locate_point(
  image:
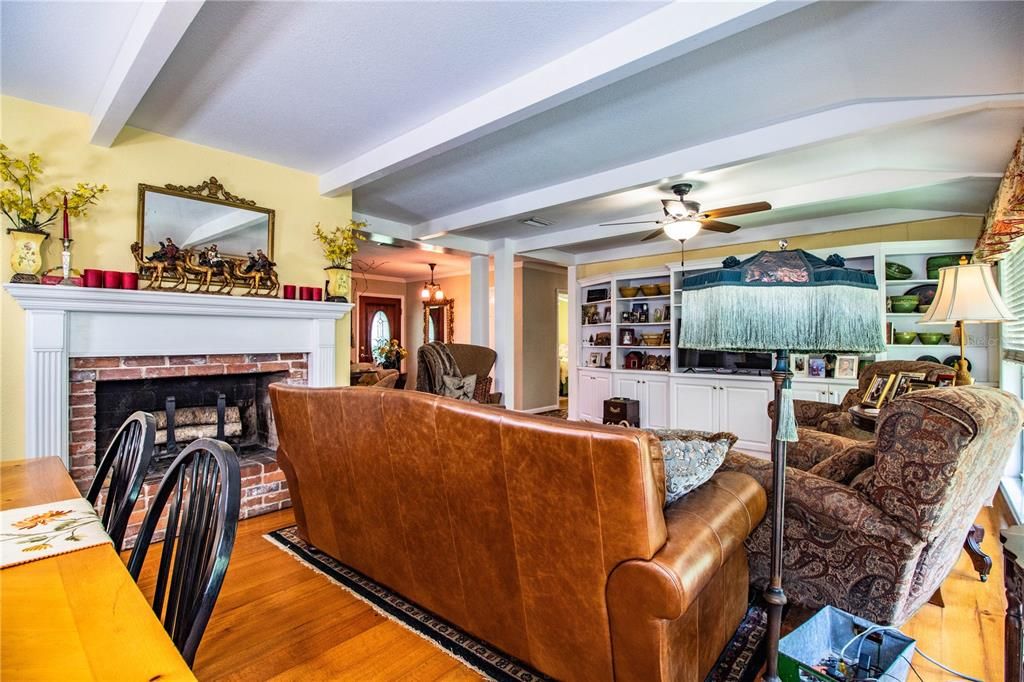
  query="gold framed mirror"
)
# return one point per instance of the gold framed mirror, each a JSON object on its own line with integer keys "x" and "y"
{"x": 439, "y": 321}
{"x": 197, "y": 217}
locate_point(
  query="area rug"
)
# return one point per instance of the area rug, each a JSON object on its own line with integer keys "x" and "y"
{"x": 558, "y": 414}
{"x": 739, "y": 662}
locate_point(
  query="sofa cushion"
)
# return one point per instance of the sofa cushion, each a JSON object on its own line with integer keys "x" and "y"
{"x": 847, "y": 464}
{"x": 691, "y": 458}
{"x": 460, "y": 388}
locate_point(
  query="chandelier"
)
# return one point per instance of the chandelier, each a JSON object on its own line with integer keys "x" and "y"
{"x": 432, "y": 291}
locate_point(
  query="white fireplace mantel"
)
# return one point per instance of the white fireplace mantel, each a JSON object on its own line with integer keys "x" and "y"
{"x": 66, "y": 322}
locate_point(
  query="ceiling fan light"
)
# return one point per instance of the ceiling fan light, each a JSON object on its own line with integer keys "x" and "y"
{"x": 682, "y": 229}
{"x": 674, "y": 208}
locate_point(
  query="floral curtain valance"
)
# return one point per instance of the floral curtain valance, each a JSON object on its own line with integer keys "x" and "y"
{"x": 1004, "y": 222}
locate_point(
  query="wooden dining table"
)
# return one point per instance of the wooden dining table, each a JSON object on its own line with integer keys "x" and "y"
{"x": 75, "y": 616}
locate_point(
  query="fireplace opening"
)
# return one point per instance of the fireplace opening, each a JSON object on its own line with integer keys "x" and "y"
{"x": 238, "y": 405}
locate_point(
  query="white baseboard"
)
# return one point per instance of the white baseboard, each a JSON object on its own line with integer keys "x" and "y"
{"x": 535, "y": 410}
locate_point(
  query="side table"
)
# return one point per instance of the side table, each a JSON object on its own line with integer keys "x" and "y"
{"x": 1013, "y": 579}
{"x": 866, "y": 419}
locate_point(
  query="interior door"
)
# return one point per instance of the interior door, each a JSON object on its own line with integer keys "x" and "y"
{"x": 378, "y": 318}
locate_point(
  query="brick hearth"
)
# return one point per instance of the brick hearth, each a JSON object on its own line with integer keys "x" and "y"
{"x": 264, "y": 488}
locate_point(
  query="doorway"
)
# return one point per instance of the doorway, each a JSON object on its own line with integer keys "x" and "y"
{"x": 379, "y": 319}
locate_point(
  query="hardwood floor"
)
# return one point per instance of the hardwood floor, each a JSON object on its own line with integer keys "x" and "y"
{"x": 276, "y": 619}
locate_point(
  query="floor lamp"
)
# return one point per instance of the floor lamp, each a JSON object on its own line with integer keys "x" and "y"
{"x": 781, "y": 301}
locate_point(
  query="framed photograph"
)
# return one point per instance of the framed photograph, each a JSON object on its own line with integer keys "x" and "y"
{"x": 816, "y": 367}
{"x": 603, "y": 339}
{"x": 902, "y": 383}
{"x": 626, "y": 316}
{"x": 799, "y": 363}
{"x": 607, "y": 314}
{"x": 877, "y": 390}
{"x": 658, "y": 315}
{"x": 626, "y": 337}
{"x": 595, "y": 360}
{"x": 945, "y": 380}
{"x": 846, "y": 366}
{"x": 920, "y": 386}
{"x": 666, "y": 337}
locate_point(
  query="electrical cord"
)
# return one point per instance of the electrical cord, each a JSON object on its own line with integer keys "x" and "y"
{"x": 881, "y": 628}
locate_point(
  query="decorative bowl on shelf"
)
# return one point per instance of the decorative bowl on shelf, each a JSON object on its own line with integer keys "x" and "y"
{"x": 665, "y": 289}
{"x": 931, "y": 338}
{"x": 628, "y": 292}
{"x": 904, "y": 306}
{"x": 897, "y": 271}
{"x": 651, "y": 339}
{"x": 904, "y": 337}
{"x": 923, "y": 308}
{"x": 936, "y": 262}
{"x": 929, "y": 358}
{"x": 650, "y": 289}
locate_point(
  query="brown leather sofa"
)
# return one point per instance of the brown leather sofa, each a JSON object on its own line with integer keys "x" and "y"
{"x": 543, "y": 537}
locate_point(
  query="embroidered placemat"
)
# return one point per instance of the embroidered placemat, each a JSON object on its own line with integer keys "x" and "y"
{"x": 45, "y": 530}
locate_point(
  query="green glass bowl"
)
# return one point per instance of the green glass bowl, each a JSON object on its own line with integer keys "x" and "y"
{"x": 904, "y": 306}
{"x": 897, "y": 271}
{"x": 904, "y": 337}
{"x": 931, "y": 338}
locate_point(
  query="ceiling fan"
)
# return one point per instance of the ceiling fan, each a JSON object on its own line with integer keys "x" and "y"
{"x": 683, "y": 219}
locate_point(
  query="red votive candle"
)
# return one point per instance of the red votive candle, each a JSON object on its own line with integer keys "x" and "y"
{"x": 93, "y": 278}
{"x": 318, "y": 293}
{"x": 111, "y": 279}
{"x": 306, "y": 293}
{"x": 129, "y": 280}
{"x": 289, "y": 291}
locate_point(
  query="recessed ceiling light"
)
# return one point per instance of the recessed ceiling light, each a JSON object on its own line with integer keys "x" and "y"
{"x": 534, "y": 221}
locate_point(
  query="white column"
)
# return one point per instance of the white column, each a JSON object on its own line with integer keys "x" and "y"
{"x": 574, "y": 344}
{"x": 479, "y": 303}
{"x": 46, "y": 384}
{"x": 504, "y": 321}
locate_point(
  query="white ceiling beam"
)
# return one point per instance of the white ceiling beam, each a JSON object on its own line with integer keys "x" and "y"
{"x": 787, "y": 230}
{"x": 156, "y": 31}
{"x": 861, "y": 184}
{"x": 842, "y": 121}
{"x": 662, "y": 35}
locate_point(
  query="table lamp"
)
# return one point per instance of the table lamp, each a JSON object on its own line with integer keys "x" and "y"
{"x": 966, "y": 293}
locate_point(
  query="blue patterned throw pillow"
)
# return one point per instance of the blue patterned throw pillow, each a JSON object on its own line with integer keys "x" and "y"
{"x": 691, "y": 458}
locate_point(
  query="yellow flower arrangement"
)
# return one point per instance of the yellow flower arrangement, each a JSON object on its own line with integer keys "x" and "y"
{"x": 342, "y": 243}
{"x": 24, "y": 209}
{"x": 389, "y": 353}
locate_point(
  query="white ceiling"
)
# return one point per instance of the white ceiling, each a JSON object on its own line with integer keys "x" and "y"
{"x": 407, "y": 263}
{"x": 835, "y": 112}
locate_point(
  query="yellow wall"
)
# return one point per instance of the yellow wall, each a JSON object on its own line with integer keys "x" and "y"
{"x": 959, "y": 227}
{"x": 101, "y": 241}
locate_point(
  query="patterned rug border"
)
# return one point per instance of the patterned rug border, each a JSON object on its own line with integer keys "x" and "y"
{"x": 409, "y": 615}
{"x": 479, "y": 656}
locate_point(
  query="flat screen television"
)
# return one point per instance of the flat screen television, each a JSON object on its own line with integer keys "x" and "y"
{"x": 690, "y": 358}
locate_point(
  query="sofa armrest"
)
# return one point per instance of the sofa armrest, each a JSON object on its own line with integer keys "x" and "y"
{"x": 831, "y": 504}
{"x": 671, "y": 615}
{"x": 808, "y": 412}
{"x": 704, "y": 528}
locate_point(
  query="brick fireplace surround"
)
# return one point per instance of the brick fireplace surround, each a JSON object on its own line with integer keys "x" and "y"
{"x": 264, "y": 488}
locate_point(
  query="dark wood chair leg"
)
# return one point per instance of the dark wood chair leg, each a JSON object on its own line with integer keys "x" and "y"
{"x": 972, "y": 543}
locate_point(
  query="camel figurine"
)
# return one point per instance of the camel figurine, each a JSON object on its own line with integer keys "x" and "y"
{"x": 155, "y": 270}
{"x": 257, "y": 277}
{"x": 192, "y": 263}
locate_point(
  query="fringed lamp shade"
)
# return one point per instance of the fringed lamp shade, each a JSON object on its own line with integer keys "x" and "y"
{"x": 789, "y": 300}
{"x": 781, "y": 301}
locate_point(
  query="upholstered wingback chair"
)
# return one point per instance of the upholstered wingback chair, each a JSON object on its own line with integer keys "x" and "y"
{"x": 832, "y": 418}
{"x": 874, "y": 527}
{"x": 434, "y": 360}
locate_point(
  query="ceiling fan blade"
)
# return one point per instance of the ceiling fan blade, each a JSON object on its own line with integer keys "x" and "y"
{"x": 716, "y": 226}
{"x": 636, "y": 222}
{"x": 740, "y": 209}
{"x": 652, "y": 235}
